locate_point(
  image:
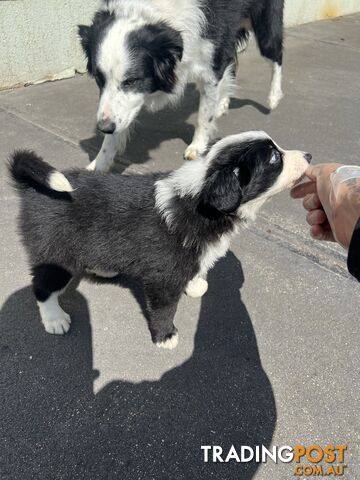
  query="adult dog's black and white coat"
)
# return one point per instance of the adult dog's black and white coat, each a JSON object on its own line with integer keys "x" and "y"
{"x": 166, "y": 229}
{"x": 142, "y": 53}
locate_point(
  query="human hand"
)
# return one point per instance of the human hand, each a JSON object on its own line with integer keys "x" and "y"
{"x": 332, "y": 215}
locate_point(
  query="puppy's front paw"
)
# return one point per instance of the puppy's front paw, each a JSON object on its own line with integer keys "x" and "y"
{"x": 196, "y": 288}
{"x": 169, "y": 341}
{"x": 57, "y": 325}
{"x": 191, "y": 153}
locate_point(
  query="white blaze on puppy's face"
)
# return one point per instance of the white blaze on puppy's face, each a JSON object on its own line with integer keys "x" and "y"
{"x": 295, "y": 165}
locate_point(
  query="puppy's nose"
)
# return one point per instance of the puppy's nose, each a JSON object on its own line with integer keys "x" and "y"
{"x": 308, "y": 157}
{"x": 106, "y": 126}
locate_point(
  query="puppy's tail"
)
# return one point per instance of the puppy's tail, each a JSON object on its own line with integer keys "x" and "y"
{"x": 29, "y": 170}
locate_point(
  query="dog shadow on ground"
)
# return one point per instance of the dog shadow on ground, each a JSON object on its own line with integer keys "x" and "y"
{"x": 55, "y": 427}
{"x": 152, "y": 129}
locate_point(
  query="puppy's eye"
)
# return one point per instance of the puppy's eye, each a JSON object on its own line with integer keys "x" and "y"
{"x": 275, "y": 157}
{"x": 129, "y": 82}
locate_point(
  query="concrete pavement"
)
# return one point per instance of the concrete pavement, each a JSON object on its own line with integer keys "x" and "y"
{"x": 269, "y": 356}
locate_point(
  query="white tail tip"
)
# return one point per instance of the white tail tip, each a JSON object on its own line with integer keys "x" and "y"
{"x": 58, "y": 182}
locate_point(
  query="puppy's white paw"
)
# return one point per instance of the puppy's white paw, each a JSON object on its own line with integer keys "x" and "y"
{"x": 169, "y": 343}
{"x": 223, "y": 107}
{"x": 191, "y": 153}
{"x": 197, "y": 287}
{"x": 274, "y": 98}
{"x": 57, "y": 325}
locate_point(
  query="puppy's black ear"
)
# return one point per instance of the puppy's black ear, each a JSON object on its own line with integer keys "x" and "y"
{"x": 222, "y": 191}
{"x": 167, "y": 50}
{"x": 84, "y": 33}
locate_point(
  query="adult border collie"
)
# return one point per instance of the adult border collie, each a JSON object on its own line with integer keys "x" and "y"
{"x": 166, "y": 229}
{"x": 142, "y": 53}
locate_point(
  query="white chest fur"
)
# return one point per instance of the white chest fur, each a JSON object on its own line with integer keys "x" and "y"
{"x": 213, "y": 252}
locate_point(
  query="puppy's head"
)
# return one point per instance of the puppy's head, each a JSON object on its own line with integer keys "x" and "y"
{"x": 129, "y": 59}
{"x": 245, "y": 170}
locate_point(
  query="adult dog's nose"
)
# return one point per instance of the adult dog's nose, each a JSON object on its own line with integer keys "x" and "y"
{"x": 308, "y": 157}
{"x": 106, "y": 126}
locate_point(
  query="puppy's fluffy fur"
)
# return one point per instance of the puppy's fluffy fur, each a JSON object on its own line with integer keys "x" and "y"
{"x": 143, "y": 53}
{"x": 166, "y": 229}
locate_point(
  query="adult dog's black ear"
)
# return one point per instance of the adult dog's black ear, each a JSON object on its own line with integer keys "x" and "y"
{"x": 167, "y": 50}
{"x": 222, "y": 192}
{"x": 84, "y": 33}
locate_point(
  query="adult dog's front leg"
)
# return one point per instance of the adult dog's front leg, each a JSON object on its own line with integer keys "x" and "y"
{"x": 112, "y": 144}
{"x": 206, "y": 126}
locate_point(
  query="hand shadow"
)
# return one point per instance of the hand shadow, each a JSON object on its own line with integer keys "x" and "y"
{"x": 55, "y": 428}
{"x": 152, "y": 129}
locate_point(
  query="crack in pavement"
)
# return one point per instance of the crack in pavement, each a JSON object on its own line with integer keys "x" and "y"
{"x": 313, "y": 251}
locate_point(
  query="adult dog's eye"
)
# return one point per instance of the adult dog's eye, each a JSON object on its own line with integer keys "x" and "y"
{"x": 129, "y": 82}
{"x": 275, "y": 157}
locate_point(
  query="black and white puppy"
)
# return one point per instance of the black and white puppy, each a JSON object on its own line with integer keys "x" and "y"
{"x": 166, "y": 229}
{"x": 143, "y": 53}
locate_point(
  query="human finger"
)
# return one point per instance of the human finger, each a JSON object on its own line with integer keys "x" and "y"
{"x": 312, "y": 202}
{"x": 300, "y": 191}
{"x": 322, "y": 232}
{"x": 316, "y": 217}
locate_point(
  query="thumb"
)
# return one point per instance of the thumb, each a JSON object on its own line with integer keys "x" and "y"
{"x": 311, "y": 172}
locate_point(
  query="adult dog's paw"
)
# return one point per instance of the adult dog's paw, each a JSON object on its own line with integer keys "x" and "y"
{"x": 92, "y": 166}
{"x": 275, "y": 97}
{"x": 223, "y": 107}
{"x": 191, "y": 153}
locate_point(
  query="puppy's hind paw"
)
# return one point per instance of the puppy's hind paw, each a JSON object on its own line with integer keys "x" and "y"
{"x": 170, "y": 342}
{"x": 57, "y": 325}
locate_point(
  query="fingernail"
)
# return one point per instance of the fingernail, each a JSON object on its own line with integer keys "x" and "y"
{"x": 318, "y": 236}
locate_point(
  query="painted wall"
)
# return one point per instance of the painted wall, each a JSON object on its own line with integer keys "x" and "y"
{"x": 304, "y": 11}
{"x": 38, "y": 39}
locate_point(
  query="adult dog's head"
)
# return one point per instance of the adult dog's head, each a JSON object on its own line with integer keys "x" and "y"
{"x": 129, "y": 58}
